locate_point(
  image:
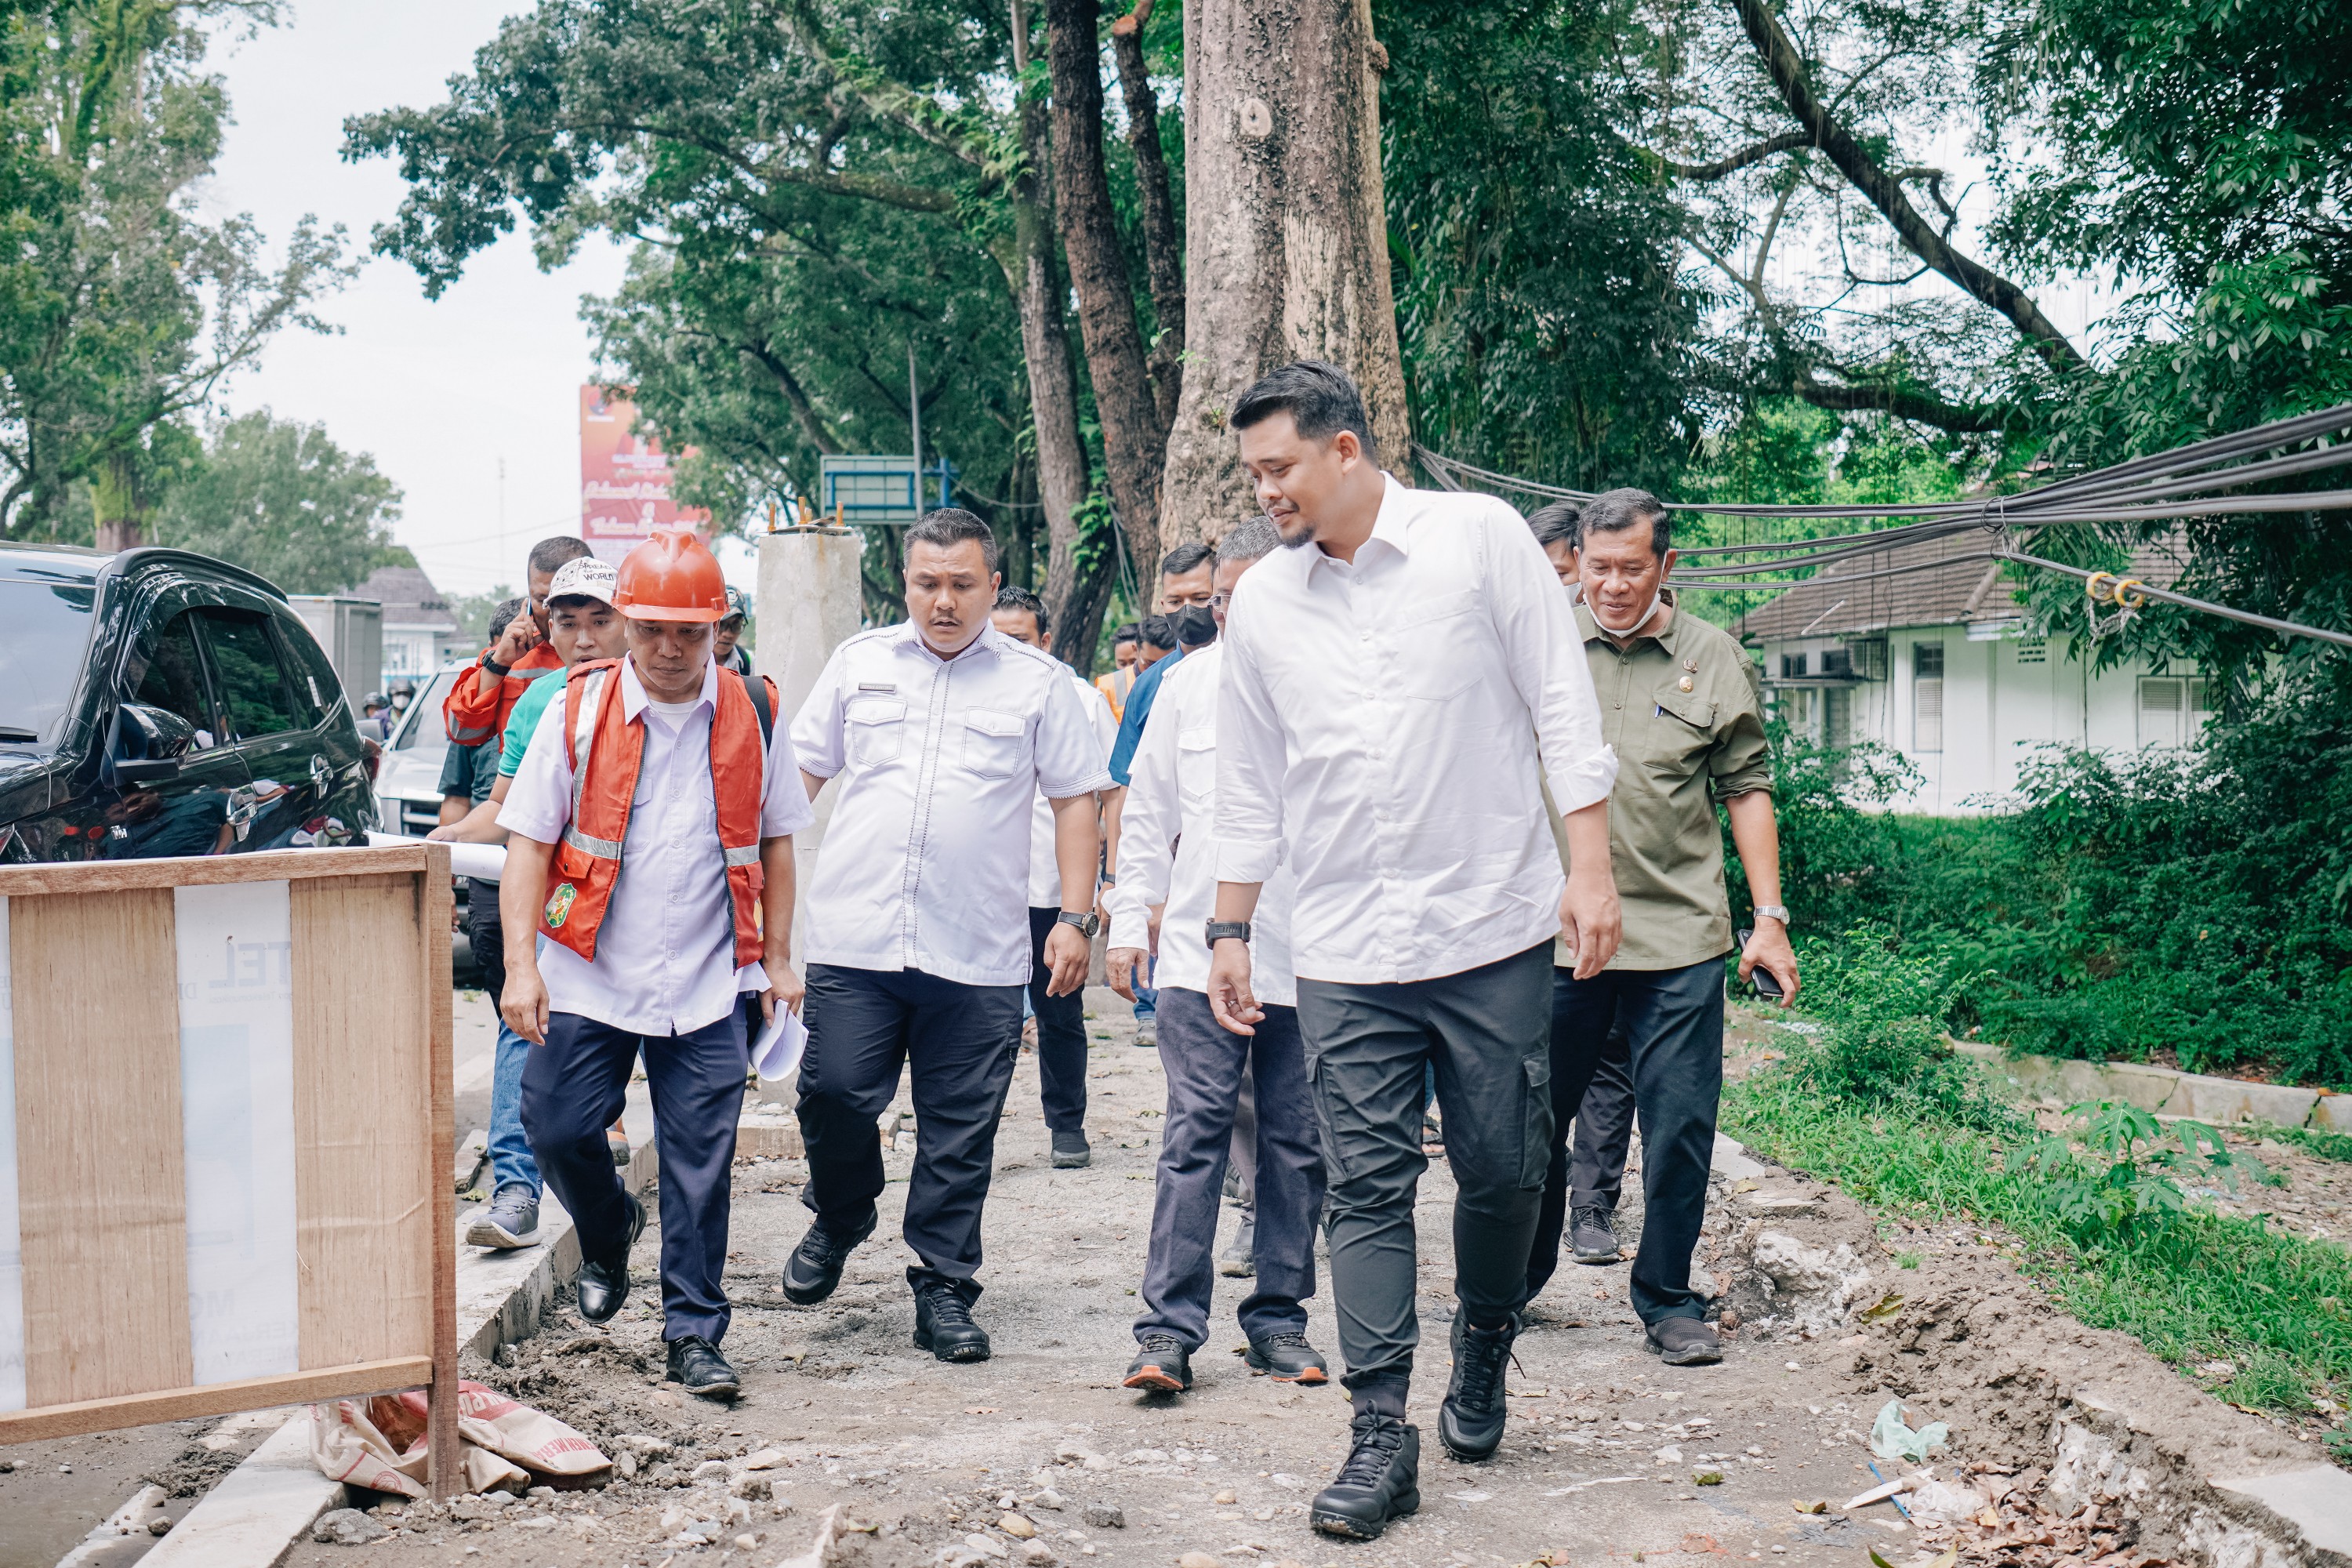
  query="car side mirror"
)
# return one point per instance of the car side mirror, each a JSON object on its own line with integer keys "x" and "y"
{"x": 149, "y": 744}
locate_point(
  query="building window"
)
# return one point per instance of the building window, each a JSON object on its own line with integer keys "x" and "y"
{"x": 1792, "y": 667}
{"x": 1867, "y": 657}
{"x": 1928, "y": 697}
{"x": 2172, "y": 709}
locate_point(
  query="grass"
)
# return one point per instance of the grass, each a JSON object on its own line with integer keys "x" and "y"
{"x": 2197, "y": 1288}
{"x": 2314, "y": 1141}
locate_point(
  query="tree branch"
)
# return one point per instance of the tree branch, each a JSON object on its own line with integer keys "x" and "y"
{"x": 1732, "y": 163}
{"x": 1790, "y": 77}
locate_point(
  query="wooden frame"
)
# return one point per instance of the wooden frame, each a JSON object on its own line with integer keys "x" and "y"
{"x": 114, "y": 1051}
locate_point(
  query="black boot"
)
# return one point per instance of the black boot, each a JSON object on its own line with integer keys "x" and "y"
{"x": 1470, "y": 1421}
{"x": 696, "y": 1366}
{"x": 1161, "y": 1365}
{"x": 1380, "y": 1481}
{"x": 815, "y": 1267}
{"x": 943, "y": 1325}
{"x": 601, "y": 1288}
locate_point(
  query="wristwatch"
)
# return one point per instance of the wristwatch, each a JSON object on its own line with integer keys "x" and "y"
{"x": 1087, "y": 923}
{"x": 1217, "y": 931}
{"x": 1772, "y": 912}
{"x": 495, "y": 668}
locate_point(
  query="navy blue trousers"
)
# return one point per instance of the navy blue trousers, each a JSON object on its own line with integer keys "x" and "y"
{"x": 959, "y": 1042}
{"x": 572, "y": 1089}
{"x": 1204, "y": 1063}
{"x": 1061, "y": 1035}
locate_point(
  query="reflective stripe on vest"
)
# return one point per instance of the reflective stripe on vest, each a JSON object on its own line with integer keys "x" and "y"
{"x": 606, "y": 754}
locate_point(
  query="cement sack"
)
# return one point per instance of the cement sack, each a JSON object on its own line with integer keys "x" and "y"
{"x": 380, "y": 1443}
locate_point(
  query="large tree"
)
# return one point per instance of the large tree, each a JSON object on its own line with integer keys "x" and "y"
{"x": 279, "y": 497}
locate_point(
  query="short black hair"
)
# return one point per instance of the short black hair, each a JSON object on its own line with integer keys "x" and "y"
{"x": 1195, "y": 627}
{"x": 1320, "y": 398}
{"x": 1185, "y": 558}
{"x": 1131, "y": 632}
{"x": 503, "y": 616}
{"x": 1159, "y": 631}
{"x": 1555, "y": 524}
{"x": 550, "y": 554}
{"x": 1616, "y": 511}
{"x": 1012, "y": 598}
{"x": 949, "y": 526}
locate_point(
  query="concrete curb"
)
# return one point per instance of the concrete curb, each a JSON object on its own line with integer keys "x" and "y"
{"x": 2166, "y": 1090}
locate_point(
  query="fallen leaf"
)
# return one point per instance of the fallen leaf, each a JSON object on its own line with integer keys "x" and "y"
{"x": 1816, "y": 1505}
{"x": 1886, "y": 1306}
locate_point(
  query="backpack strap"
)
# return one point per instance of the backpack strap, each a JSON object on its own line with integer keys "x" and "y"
{"x": 762, "y": 693}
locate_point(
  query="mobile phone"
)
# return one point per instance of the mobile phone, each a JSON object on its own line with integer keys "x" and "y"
{"x": 1766, "y": 986}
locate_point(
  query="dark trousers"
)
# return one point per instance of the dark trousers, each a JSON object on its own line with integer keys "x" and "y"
{"x": 1487, "y": 1033}
{"x": 572, "y": 1090}
{"x": 958, "y": 1042}
{"x": 1672, "y": 1021}
{"x": 1203, "y": 1063}
{"x": 1061, "y": 1035}
{"x": 486, "y": 936}
{"x": 1588, "y": 1169}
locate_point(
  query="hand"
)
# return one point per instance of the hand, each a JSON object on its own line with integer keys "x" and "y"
{"x": 1066, "y": 955}
{"x": 784, "y": 986}
{"x": 523, "y": 1004}
{"x": 1768, "y": 946}
{"x": 1230, "y": 998}
{"x": 520, "y": 636}
{"x": 1130, "y": 968}
{"x": 1592, "y": 922}
{"x": 445, "y": 834}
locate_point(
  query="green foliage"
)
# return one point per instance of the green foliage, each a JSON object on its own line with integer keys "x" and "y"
{"x": 2119, "y": 1178}
{"x": 279, "y": 497}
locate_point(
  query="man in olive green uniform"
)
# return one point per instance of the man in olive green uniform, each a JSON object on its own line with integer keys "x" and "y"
{"x": 1682, "y": 704}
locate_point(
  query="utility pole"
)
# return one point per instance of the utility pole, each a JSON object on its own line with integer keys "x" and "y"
{"x": 915, "y": 419}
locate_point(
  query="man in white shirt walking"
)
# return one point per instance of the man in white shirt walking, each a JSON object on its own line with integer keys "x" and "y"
{"x": 648, "y": 884}
{"x": 1393, "y": 688}
{"x": 941, "y": 730}
{"x": 1171, "y": 847}
{"x": 1061, "y": 1020}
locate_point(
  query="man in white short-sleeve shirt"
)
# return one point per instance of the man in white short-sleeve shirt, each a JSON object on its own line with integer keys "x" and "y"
{"x": 648, "y": 885}
{"x": 941, "y": 730}
{"x": 1395, "y": 687}
{"x": 1061, "y": 1020}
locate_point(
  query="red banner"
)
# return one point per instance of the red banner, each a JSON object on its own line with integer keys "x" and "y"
{"x": 624, "y": 479}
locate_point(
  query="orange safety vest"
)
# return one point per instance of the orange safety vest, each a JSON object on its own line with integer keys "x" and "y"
{"x": 606, "y": 751}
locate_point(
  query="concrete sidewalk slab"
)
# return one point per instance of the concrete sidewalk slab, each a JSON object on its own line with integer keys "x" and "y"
{"x": 258, "y": 1510}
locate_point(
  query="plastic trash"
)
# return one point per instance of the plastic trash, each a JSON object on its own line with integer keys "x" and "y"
{"x": 1890, "y": 1438}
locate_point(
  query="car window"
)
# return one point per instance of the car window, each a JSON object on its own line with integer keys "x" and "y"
{"x": 44, "y": 629}
{"x": 423, "y": 729}
{"x": 175, "y": 680}
{"x": 252, "y": 677}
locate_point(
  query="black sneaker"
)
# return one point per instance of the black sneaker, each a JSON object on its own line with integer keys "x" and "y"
{"x": 1286, "y": 1357}
{"x": 1592, "y": 1235}
{"x": 1684, "y": 1341}
{"x": 599, "y": 1289}
{"x": 696, "y": 1366}
{"x": 815, "y": 1267}
{"x": 1070, "y": 1152}
{"x": 943, "y": 1325}
{"x": 1161, "y": 1365}
{"x": 1470, "y": 1421}
{"x": 1239, "y": 1259}
{"x": 1380, "y": 1481}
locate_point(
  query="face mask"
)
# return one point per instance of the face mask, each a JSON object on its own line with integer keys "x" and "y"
{"x": 1648, "y": 610}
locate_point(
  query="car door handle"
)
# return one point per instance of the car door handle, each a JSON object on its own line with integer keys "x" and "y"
{"x": 322, "y": 774}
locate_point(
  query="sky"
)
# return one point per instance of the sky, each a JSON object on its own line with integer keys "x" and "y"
{"x": 440, "y": 393}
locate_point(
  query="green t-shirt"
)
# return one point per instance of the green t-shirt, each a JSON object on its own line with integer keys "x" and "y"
{"x": 525, "y": 719}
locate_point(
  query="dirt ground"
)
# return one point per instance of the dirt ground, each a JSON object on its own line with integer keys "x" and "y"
{"x": 925, "y": 1463}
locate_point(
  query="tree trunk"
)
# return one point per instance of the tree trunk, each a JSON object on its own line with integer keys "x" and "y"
{"x": 1163, "y": 248}
{"x": 1135, "y": 441}
{"x": 1286, "y": 232}
{"x": 115, "y": 502}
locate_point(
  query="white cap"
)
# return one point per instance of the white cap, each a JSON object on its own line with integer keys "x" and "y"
{"x": 586, "y": 575}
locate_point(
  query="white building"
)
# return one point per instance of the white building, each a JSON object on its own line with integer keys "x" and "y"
{"x": 1939, "y": 663}
{"x": 419, "y": 629}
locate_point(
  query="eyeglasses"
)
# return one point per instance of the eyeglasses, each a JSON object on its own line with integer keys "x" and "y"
{"x": 1219, "y": 601}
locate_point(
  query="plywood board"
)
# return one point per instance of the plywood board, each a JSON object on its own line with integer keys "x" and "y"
{"x": 266, "y": 866}
{"x": 364, "y": 1102}
{"x": 101, "y": 1210}
{"x": 218, "y": 1399}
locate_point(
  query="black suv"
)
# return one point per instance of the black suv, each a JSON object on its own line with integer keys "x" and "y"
{"x": 159, "y": 702}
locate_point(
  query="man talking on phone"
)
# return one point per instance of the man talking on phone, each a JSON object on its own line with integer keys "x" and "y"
{"x": 1680, "y": 703}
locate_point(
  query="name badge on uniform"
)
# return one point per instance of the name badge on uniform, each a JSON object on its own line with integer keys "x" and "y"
{"x": 878, "y": 686}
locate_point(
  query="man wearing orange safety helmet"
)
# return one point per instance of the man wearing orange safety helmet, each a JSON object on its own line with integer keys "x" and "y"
{"x": 648, "y": 885}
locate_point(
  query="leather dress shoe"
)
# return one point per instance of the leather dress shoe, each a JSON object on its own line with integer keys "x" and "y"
{"x": 943, "y": 1325}
{"x": 601, "y": 1288}
{"x": 696, "y": 1366}
{"x": 1380, "y": 1481}
{"x": 815, "y": 1267}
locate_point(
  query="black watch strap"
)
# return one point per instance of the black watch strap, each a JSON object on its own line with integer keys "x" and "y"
{"x": 1217, "y": 931}
{"x": 495, "y": 668}
{"x": 1087, "y": 923}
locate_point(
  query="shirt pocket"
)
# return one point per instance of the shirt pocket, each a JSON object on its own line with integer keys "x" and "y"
{"x": 1432, "y": 655}
{"x": 995, "y": 745}
{"x": 875, "y": 730}
{"x": 1196, "y": 764}
{"x": 1681, "y": 733}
